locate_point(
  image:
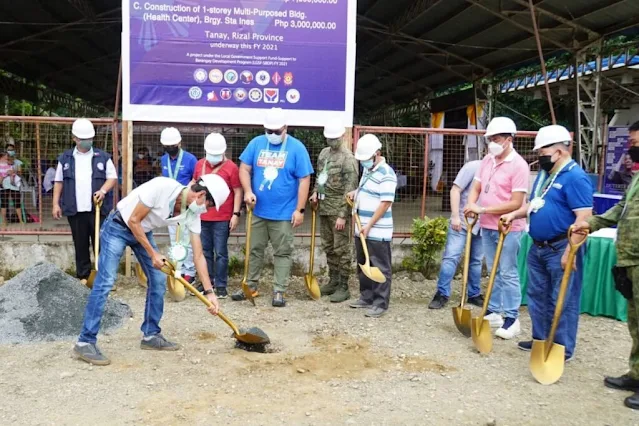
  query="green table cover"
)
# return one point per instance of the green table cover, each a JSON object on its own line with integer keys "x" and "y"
{"x": 598, "y": 295}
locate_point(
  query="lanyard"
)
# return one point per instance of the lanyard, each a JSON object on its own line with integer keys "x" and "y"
{"x": 182, "y": 224}
{"x": 215, "y": 169}
{"x": 282, "y": 145}
{"x": 177, "y": 165}
{"x": 545, "y": 183}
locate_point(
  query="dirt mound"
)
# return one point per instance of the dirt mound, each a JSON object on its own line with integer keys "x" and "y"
{"x": 42, "y": 303}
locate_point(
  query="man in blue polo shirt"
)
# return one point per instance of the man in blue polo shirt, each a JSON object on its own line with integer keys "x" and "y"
{"x": 275, "y": 174}
{"x": 561, "y": 197}
{"x": 178, "y": 165}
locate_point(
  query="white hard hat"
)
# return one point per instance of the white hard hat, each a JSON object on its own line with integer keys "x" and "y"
{"x": 275, "y": 119}
{"x": 367, "y": 146}
{"x": 83, "y": 129}
{"x": 170, "y": 136}
{"x": 334, "y": 129}
{"x": 551, "y": 135}
{"x": 217, "y": 187}
{"x": 501, "y": 126}
{"x": 215, "y": 144}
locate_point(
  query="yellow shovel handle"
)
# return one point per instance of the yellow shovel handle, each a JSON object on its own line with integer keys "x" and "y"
{"x": 96, "y": 239}
{"x": 313, "y": 223}
{"x": 249, "y": 223}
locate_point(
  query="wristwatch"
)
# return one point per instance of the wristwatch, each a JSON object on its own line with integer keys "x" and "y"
{"x": 302, "y": 210}
{"x": 238, "y": 214}
{"x": 103, "y": 191}
{"x": 206, "y": 292}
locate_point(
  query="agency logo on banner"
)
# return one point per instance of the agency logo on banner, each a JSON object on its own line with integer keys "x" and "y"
{"x": 200, "y": 75}
{"x": 293, "y": 96}
{"x": 195, "y": 93}
{"x": 216, "y": 76}
{"x": 262, "y": 78}
{"x": 271, "y": 96}
{"x": 255, "y": 95}
{"x": 225, "y": 94}
{"x": 276, "y": 77}
{"x": 230, "y": 76}
{"x": 240, "y": 95}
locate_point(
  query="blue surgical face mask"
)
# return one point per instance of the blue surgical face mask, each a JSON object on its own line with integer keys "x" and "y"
{"x": 86, "y": 144}
{"x": 11, "y": 153}
{"x": 367, "y": 164}
{"x": 196, "y": 208}
{"x": 274, "y": 139}
{"x": 214, "y": 159}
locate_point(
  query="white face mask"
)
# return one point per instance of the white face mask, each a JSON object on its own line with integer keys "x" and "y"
{"x": 274, "y": 139}
{"x": 495, "y": 149}
{"x": 140, "y": 156}
{"x": 214, "y": 159}
{"x": 196, "y": 208}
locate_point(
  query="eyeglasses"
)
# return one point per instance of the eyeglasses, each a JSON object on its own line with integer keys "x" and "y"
{"x": 274, "y": 132}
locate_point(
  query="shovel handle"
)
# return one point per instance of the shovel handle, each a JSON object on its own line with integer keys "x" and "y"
{"x": 503, "y": 227}
{"x": 96, "y": 239}
{"x": 170, "y": 271}
{"x": 470, "y": 224}
{"x": 249, "y": 223}
{"x": 313, "y": 223}
{"x": 359, "y": 226}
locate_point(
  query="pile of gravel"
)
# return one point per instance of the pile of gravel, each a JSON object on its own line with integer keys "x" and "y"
{"x": 43, "y": 303}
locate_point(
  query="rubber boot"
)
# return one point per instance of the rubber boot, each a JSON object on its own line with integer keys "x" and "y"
{"x": 331, "y": 287}
{"x": 342, "y": 293}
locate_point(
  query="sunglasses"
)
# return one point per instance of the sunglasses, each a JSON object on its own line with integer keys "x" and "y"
{"x": 274, "y": 132}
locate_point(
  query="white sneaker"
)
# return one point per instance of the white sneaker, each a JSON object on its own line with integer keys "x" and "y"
{"x": 496, "y": 321}
{"x": 510, "y": 332}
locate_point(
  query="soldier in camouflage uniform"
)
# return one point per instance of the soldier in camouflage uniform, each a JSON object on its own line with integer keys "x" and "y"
{"x": 626, "y": 216}
{"x": 337, "y": 176}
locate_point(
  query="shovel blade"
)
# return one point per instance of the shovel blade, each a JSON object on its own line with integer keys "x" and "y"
{"x": 312, "y": 287}
{"x": 253, "y": 336}
{"x": 482, "y": 335}
{"x": 547, "y": 370}
{"x": 176, "y": 289}
{"x": 91, "y": 278}
{"x": 248, "y": 292}
{"x": 462, "y": 318}
{"x": 373, "y": 272}
{"x": 139, "y": 273}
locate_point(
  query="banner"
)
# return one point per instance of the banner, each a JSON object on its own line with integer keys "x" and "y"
{"x": 228, "y": 61}
{"x": 474, "y": 146}
{"x": 436, "y": 151}
{"x": 618, "y": 167}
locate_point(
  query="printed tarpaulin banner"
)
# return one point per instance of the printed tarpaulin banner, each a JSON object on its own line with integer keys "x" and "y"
{"x": 228, "y": 61}
{"x": 618, "y": 167}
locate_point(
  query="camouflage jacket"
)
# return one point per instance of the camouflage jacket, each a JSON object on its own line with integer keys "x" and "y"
{"x": 341, "y": 168}
{"x": 627, "y": 224}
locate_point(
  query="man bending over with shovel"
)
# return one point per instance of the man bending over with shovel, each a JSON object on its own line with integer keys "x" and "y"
{"x": 562, "y": 196}
{"x": 159, "y": 203}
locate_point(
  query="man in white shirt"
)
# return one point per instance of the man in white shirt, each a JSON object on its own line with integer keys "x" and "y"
{"x": 84, "y": 174}
{"x": 156, "y": 204}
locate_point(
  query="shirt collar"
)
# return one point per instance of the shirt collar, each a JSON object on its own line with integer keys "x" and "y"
{"x": 382, "y": 160}
{"x": 76, "y": 152}
{"x": 510, "y": 157}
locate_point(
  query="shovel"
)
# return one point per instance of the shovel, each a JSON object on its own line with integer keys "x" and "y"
{"x": 245, "y": 287}
{"x": 372, "y": 272}
{"x": 479, "y": 327}
{"x": 139, "y": 273}
{"x": 254, "y": 338}
{"x": 309, "y": 279}
{"x": 461, "y": 314}
{"x": 547, "y": 357}
{"x": 96, "y": 243}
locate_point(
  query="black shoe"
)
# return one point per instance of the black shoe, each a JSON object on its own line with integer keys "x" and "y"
{"x": 525, "y": 345}
{"x": 278, "y": 299}
{"x": 439, "y": 301}
{"x": 632, "y": 401}
{"x": 477, "y": 301}
{"x": 239, "y": 295}
{"x": 221, "y": 292}
{"x": 626, "y": 383}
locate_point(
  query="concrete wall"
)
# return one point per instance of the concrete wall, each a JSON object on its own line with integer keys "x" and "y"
{"x": 18, "y": 255}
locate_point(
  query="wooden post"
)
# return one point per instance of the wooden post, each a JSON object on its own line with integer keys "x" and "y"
{"x": 39, "y": 173}
{"x": 127, "y": 178}
{"x": 348, "y": 138}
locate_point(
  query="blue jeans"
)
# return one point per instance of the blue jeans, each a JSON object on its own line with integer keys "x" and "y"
{"x": 455, "y": 244}
{"x": 506, "y": 295}
{"x": 188, "y": 267}
{"x": 215, "y": 237}
{"x": 544, "y": 278}
{"x": 113, "y": 240}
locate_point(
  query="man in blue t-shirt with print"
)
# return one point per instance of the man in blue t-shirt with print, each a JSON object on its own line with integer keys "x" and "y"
{"x": 275, "y": 173}
{"x": 561, "y": 197}
{"x": 178, "y": 165}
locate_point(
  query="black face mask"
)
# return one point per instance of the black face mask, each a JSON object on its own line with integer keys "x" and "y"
{"x": 546, "y": 163}
{"x": 172, "y": 150}
{"x": 634, "y": 153}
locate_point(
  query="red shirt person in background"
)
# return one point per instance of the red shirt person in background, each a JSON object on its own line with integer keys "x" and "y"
{"x": 217, "y": 224}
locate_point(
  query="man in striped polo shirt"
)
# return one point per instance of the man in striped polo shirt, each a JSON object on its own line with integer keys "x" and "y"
{"x": 373, "y": 200}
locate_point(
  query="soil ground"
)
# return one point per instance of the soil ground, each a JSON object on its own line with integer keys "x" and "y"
{"x": 328, "y": 365}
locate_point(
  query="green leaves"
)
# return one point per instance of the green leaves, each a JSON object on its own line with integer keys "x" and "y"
{"x": 429, "y": 239}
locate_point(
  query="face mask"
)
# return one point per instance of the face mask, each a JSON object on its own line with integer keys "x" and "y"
{"x": 634, "y": 153}
{"x": 546, "y": 163}
{"x": 334, "y": 143}
{"x": 197, "y": 208}
{"x": 172, "y": 150}
{"x": 274, "y": 139}
{"x": 495, "y": 148}
{"x": 11, "y": 153}
{"x": 86, "y": 144}
{"x": 214, "y": 159}
{"x": 367, "y": 164}
{"x": 140, "y": 156}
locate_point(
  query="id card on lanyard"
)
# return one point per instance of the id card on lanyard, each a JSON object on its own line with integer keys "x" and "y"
{"x": 178, "y": 163}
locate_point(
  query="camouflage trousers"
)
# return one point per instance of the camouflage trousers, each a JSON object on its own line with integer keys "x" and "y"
{"x": 633, "y": 322}
{"x": 337, "y": 246}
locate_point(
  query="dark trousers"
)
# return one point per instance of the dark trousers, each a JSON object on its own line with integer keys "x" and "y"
{"x": 380, "y": 256}
{"x": 215, "y": 238}
{"x": 83, "y": 233}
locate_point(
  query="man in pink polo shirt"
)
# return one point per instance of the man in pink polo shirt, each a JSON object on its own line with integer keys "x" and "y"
{"x": 500, "y": 187}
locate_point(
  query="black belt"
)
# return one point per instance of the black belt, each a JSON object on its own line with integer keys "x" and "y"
{"x": 542, "y": 244}
{"x": 117, "y": 218}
